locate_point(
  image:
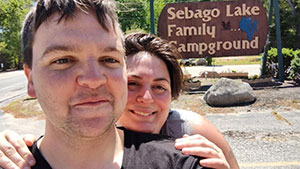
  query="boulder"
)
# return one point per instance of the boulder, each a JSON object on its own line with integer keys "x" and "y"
{"x": 228, "y": 92}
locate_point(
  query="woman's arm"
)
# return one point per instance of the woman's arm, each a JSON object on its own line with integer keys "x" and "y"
{"x": 208, "y": 142}
{"x": 13, "y": 150}
{"x": 198, "y": 145}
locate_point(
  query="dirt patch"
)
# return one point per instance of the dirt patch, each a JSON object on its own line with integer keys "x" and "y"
{"x": 275, "y": 97}
{"x": 24, "y": 107}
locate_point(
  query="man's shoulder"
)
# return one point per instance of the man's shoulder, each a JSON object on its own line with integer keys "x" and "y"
{"x": 41, "y": 162}
{"x": 154, "y": 151}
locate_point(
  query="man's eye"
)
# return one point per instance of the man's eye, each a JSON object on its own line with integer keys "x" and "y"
{"x": 111, "y": 60}
{"x": 62, "y": 61}
{"x": 132, "y": 84}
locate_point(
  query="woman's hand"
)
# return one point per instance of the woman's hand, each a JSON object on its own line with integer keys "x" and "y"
{"x": 198, "y": 145}
{"x": 14, "y": 154}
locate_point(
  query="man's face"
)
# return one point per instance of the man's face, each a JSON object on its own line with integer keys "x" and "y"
{"x": 78, "y": 75}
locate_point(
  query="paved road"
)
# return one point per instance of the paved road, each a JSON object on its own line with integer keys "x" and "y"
{"x": 12, "y": 85}
{"x": 259, "y": 140}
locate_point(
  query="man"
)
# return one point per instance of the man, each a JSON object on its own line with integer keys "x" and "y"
{"x": 75, "y": 66}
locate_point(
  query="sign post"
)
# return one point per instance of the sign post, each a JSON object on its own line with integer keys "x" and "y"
{"x": 278, "y": 37}
{"x": 274, "y": 4}
{"x": 152, "y": 17}
{"x": 267, "y": 47}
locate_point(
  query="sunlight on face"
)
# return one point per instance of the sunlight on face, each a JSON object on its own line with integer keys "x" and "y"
{"x": 149, "y": 93}
{"x": 78, "y": 75}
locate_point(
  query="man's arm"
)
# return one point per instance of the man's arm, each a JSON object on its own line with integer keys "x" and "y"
{"x": 14, "y": 152}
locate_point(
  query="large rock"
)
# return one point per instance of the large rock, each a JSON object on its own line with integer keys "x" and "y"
{"x": 227, "y": 92}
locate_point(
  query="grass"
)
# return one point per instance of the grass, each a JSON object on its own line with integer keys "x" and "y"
{"x": 24, "y": 107}
{"x": 280, "y": 118}
{"x": 295, "y": 101}
{"x": 245, "y": 60}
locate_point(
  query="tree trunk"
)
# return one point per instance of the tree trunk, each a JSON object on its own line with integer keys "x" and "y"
{"x": 297, "y": 44}
{"x": 292, "y": 7}
{"x": 295, "y": 14}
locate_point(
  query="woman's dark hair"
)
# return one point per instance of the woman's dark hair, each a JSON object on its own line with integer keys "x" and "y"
{"x": 138, "y": 42}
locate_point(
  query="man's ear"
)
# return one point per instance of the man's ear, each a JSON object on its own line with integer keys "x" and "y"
{"x": 30, "y": 86}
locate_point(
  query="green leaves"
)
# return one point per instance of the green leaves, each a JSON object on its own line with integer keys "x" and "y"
{"x": 295, "y": 69}
{"x": 132, "y": 14}
{"x": 12, "y": 13}
{"x": 289, "y": 56}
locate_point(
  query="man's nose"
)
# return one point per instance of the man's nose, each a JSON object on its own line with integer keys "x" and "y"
{"x": 145, "y": 97}
{"x": 91, "y": 76}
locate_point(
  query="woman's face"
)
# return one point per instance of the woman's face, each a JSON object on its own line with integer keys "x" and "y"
{"x": 149, "y": 94}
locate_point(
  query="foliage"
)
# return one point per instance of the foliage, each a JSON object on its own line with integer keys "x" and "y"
{"x": 289, "y": 23}
{"x": 12, "y": 13}
{"x": 209, "y": 61}
{"x": 288, "y": 55}
{"x": 253, "y": 77}
{"x": 135, "y": 14}
{"x": 132, "y": 14}
{"x": 158, "y": 6}
{"x": 272, "y": 61}
{"x": 295, "y": 69}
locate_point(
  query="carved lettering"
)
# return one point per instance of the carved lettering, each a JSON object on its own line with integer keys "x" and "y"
{"x": 243, "y": 10}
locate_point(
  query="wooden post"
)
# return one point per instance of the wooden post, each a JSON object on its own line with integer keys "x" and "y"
{"x": 278, "y": 38}
{"x": 274, "y": 4}
{"x": 152, "y": 16}
{"x": 267, "y": 46}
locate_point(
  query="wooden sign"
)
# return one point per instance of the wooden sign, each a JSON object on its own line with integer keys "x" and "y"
{"x": 215, "y": 29}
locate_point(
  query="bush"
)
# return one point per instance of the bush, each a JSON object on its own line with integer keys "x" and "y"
{"x": 272, "y": 61}
{"x": 295, "y": 69}
{"x": 209, "y": 61}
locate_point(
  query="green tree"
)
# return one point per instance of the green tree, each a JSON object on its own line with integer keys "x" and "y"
{"x": 158, "y": 6}
{"x": 135, "y": 14}
{"x": 12, "y": 13}
{"x": 289, "y": 23}
{"x": 132, "y": 14}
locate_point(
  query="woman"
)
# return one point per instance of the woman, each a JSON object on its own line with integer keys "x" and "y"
{"x": 154, "y": 79}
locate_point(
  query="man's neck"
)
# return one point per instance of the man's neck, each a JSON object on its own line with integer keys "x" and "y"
{"x": 61, "y": 151}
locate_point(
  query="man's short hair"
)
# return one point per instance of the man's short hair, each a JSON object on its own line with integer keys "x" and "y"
{"x": 103, "y": 9}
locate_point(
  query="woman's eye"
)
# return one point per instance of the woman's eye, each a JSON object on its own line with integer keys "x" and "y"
{"x": 159, "y": 88}
{"x": 132, "y": 86}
